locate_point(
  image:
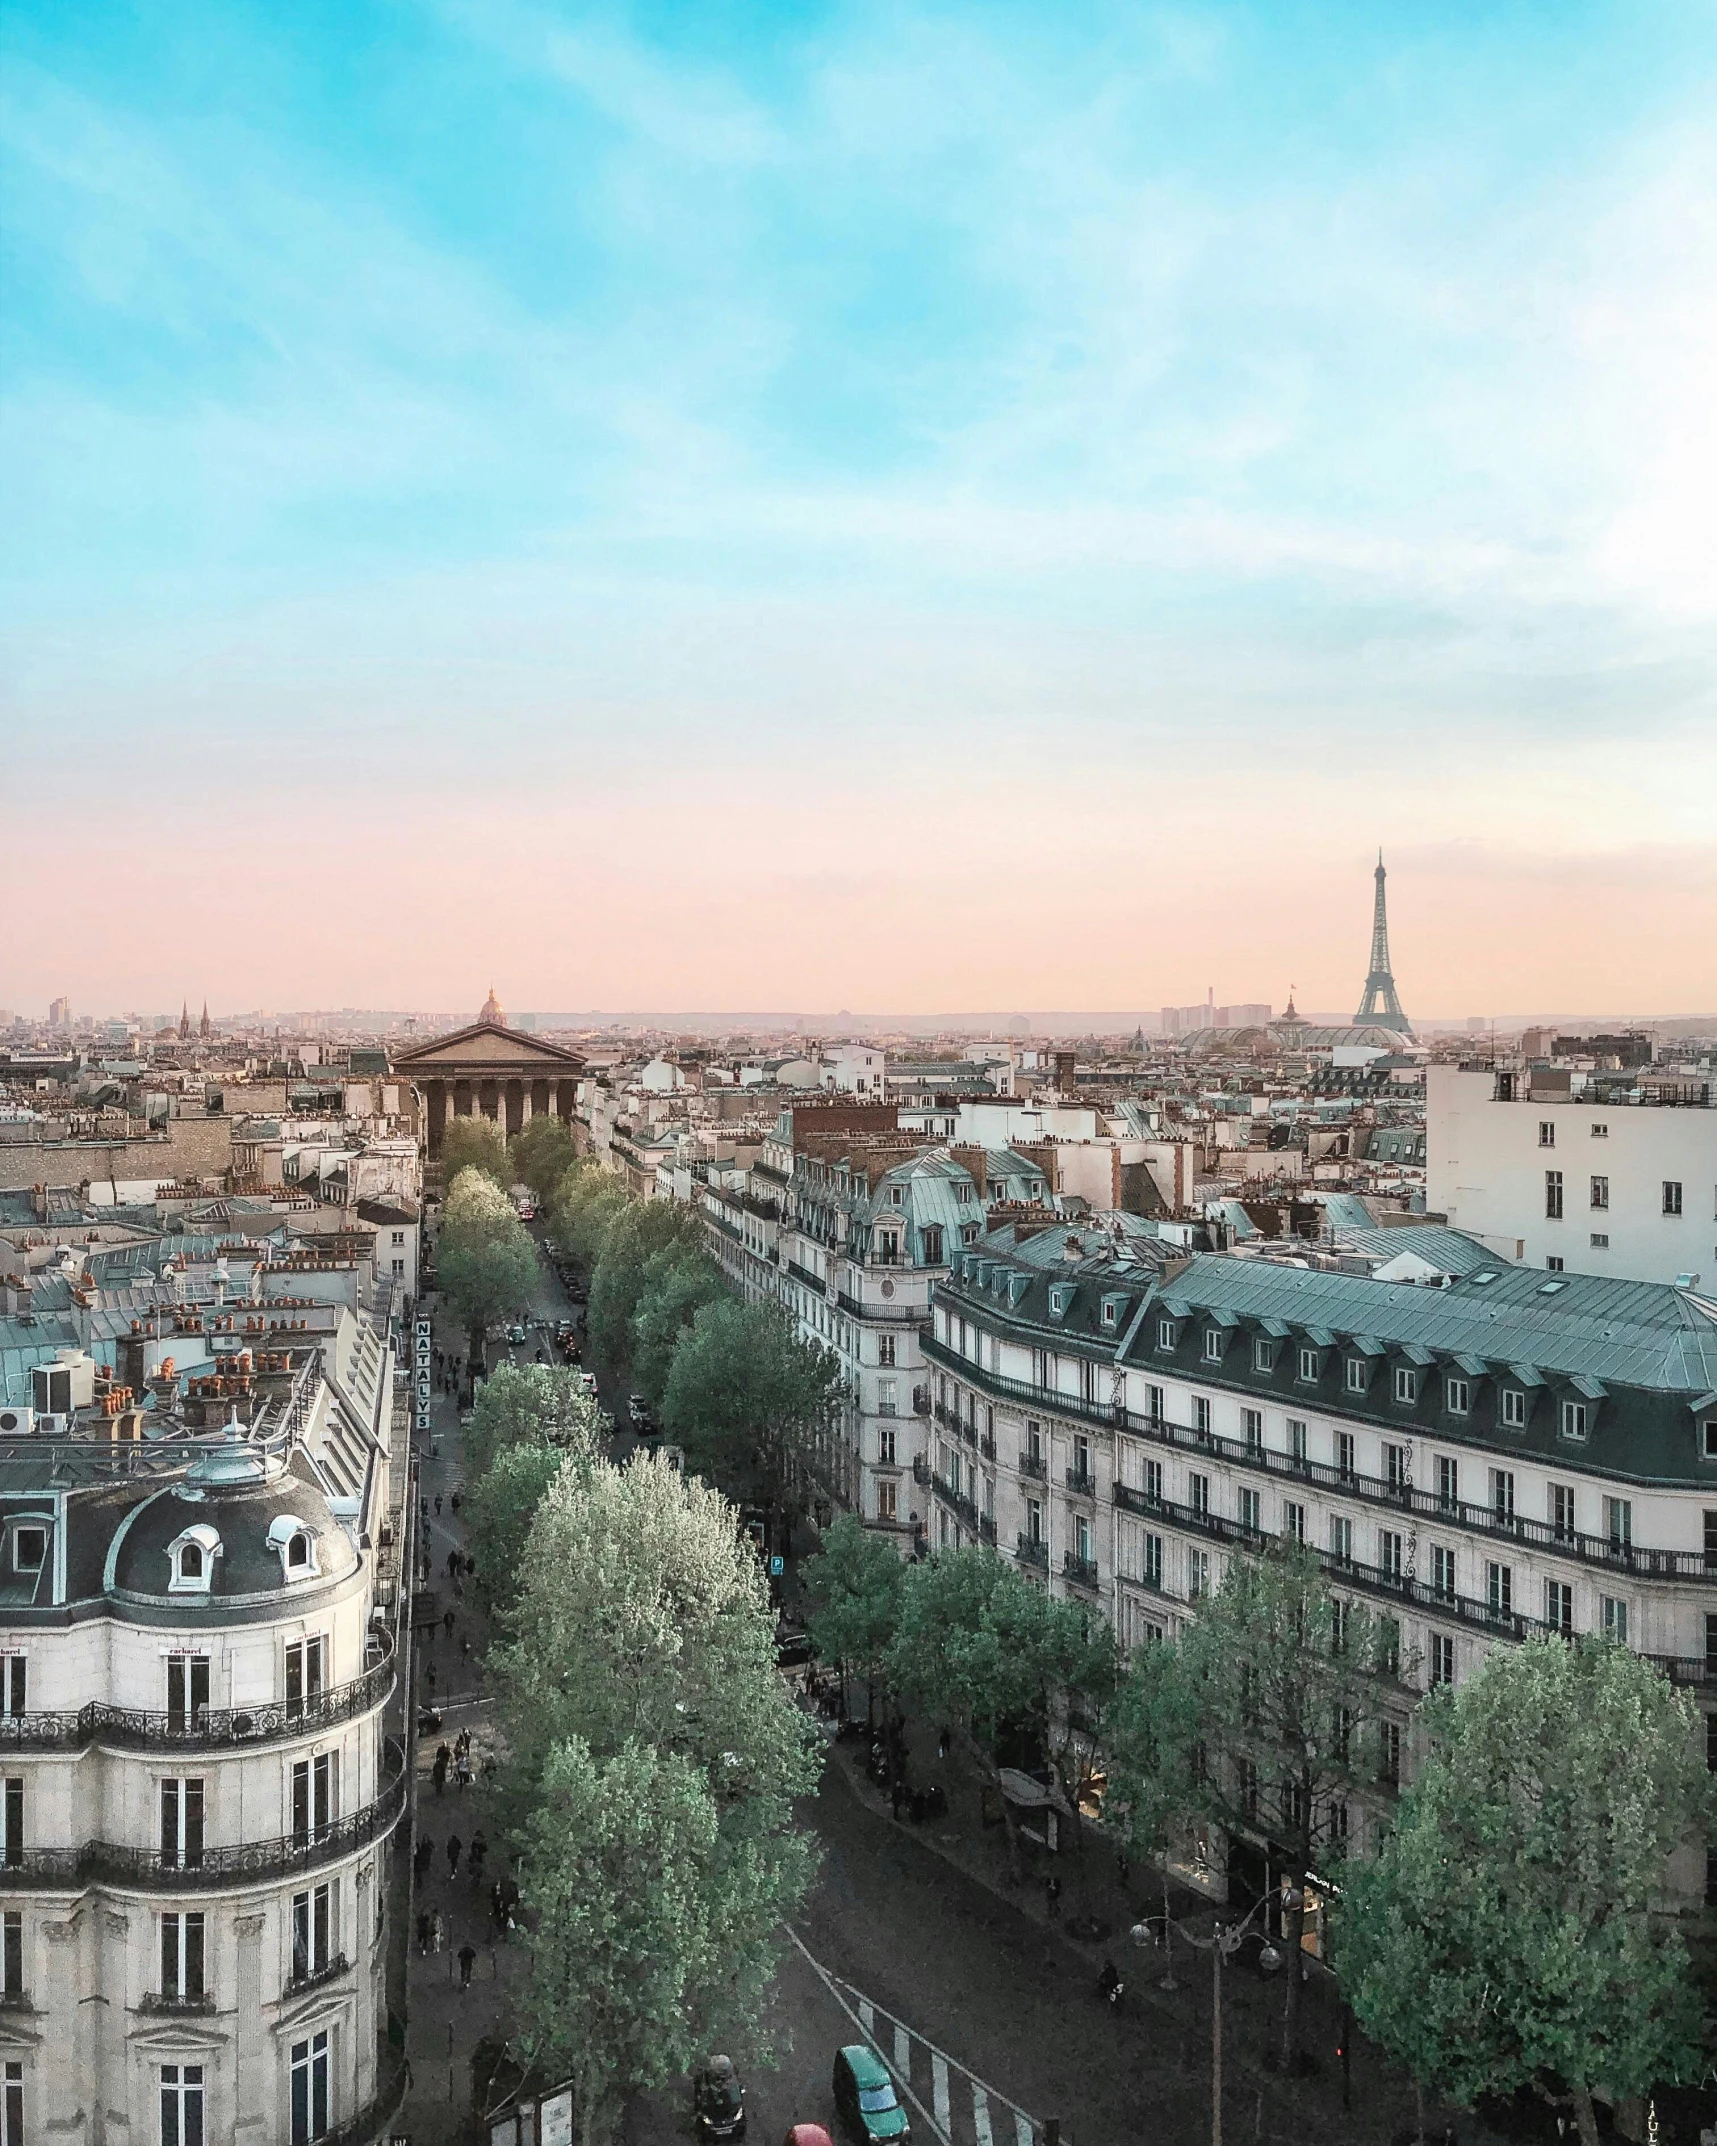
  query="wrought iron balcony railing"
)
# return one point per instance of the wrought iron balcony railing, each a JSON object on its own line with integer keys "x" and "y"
{"x": 1033, "y": 1550}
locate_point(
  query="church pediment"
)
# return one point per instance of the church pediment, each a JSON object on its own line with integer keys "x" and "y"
{"x": 483, "y": 1046}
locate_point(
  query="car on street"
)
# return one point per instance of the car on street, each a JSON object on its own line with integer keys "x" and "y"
{"x": 718, "y": 2101}
{"x": 564, "y": 1329}
{"x": 807, "y": 2135}
{"x": 515, "y": 1333}
{"x": 865, "y": 2100}
{"x": 792, "y": 1647}
{"x": 587, "y": 1383}
{"x": 638, "y": 1412}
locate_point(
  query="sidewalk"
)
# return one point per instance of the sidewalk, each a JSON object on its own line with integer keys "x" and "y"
{"x": 445, "y": 2022}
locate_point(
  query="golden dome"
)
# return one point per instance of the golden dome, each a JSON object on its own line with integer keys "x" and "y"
{"x": 492, "y": 1010}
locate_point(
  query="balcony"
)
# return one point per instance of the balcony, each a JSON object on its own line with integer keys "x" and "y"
{"x": 987, "y": 1529}
{"x": 1033, "y": 1550}
{"x": 920, "y": 1470}
{"x": 987, "y": 1447}
{"x": 1032, "y": 1464}
{"x": 206, "y": 1727}
{"x": 1079, "y": 1571}
{"x": 1082, "y": 1482}
{"x": 235, "y": 1864}
{"x": 177, "y": 2004}
{"x": 313, "y": 1977}
{"x": 964, "y": 1506}
{"x": 921, "y": 1400}
{"x": 892, "y": 1314}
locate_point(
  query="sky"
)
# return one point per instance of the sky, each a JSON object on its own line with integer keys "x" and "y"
{"x": 857, "y": 505}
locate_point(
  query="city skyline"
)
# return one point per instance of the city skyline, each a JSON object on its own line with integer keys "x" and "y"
{"x": 721, "y": 510}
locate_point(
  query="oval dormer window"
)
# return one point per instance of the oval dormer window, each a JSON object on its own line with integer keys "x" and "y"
{"x": 295, "y": 1545}
{"x": 192, "y": 1557}
{"x": 298, "y": 1553}
{"x": 191, "y": 1561}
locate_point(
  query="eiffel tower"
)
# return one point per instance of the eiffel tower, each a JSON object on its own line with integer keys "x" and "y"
{"x": 1378, "y": 1001}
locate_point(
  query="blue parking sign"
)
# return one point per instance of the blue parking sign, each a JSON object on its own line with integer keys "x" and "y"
{"x": 777, "y": 1566}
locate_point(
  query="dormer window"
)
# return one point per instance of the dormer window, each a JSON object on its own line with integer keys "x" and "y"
{"x": 1167, "y": 1334}
{"x": 29, "y": 1549}
{"x": 1263, "y": 1354}
{"x": 192, "y": 1560}
{"x": 1310, "y": 1367}
{"x": 1406, "y": 1385}
{"x": 295, "y": 1545}
{"x": 1358, "y": 1374}
{"x": 1213, "y": 1344}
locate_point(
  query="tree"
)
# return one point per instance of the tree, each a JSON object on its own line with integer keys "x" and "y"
{"x": 541, "y": 1155}
{"x": 586, "y": 1201}
{"x": 750, "y": 1402}
{"x": 487, "y": 1266}
{"x": 500, "y": 1505}
{"x": 642, "y": 1229}
{"x": 533, "y": 1405}
{"x": 678, "y": 1283}
{"x": 991, "y": 1655}
{"x": 474, "y": 1143}
{"x": 642, "y": 1611}
{"x": 1515, "y": 1929}
{"x": 631, "y": 1958}
{"x": 853, "y": 1589}
{"x": 1260, "y": 1718}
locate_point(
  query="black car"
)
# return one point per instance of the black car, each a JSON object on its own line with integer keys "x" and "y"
{"x": 719, "y": 2101}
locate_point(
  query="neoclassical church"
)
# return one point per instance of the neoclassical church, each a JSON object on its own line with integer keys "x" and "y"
{"x": 492, "y": 1069}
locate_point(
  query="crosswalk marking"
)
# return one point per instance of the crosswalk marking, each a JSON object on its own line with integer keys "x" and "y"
{"x": 939, "y": 2090}
{"x": 902, "y": 2052}
{"x": 1022, "y": 2128}
{"x": 981, "y": 2115}
{"x": 867, "y": 2015}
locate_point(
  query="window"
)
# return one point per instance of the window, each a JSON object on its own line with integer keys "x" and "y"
{"x": 12, "y": 2107}
{"x": 1034, "y": 1519}
{"x": 1553, "y": 1265}
{"x": 1562, "y": 1512}
{"x": 1672, "y": 1196}
{"x": 1546, "y": 1133}
{"x": 182, "y": 1956}
{"x": 1250, "y": 1512}
{"x": 1252, "y": 1426}
{"x": 15, "y": 1685}
{"x": 1513, "y": 1409}
{"x": 312, "y": 1925}
{"x": 306, "y": 1675}
{"x": 1341, "y": 1538}
{"x": 885, "y": 1351}
{"x": 1457, "y": 1396}
{"x": 1389, "y": 1555}
{"x": 1081, "y": 1456}
{"x": 1600, "y": 1132}
{"x": 1197, "y": 1575}
{"x": 1709, "y": 1428}
{"x": 182, "y": 1824}
{"x": 1293, "y": 1520}
{"x": 192, "y": 1558}
{"x": 886, "y": 1497}
{"x": 1297, "y": 1440}
{"x": 1151, "y": 1569}
{"x": 1201, "y": 1415}
{"x": 1502, "y": 1496}
{"x": 1344, "y": 1455}
{"x": 1442, "y": 1658}
{"x": 1082, "y": 1539}
{"x": 12, "y": 1955}
{"x": 1389, "y": 1753}
{"x": 315, "y": 1782}
{"x": 1615, "y": 1614}
{"x": 931, "y": 1238}
{"x": 1559, "y": 1606}
{"x": 1309, "y": 1367}
{"x": 1109, "y": 1309}
{"x": 1263, "y": 1354}
{"x": 1397, "y": 1467}
{"x": 1198, "y": 1494}
{"x": 182, "y": 2105}
{"x": 1406, "y": 1385}
{"x": 1358, "y": 1374}
{"x": 1574, "y": 1419}
{"x": 187, "y": 1690}
{"x": 310, "y": 2089}
{"x": 1448, "y": 1483}
{"x": 885, "y": 1444}
{"x": 29, "y": 1549}
{"x": 1600, "y": 1241}
{"x": 1154, "y": 1481}
{"x": 1442, "y": 1572}
{"x": 398, "y": 1238}
{"x": 1553, "y": 1195}
{"x": 887, "y": 1398}
{"x": 1213, "y": 1344}
{"x": 12, "y": 1823}
{"x": 1600, "y": 1192}
{"x": 1499, "y": 1589}
{"x": 1154, "y": 1405}
{"x": 1619, "y": 1522}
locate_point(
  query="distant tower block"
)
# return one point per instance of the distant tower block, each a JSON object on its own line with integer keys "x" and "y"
{"x": 1379, "y": 1003}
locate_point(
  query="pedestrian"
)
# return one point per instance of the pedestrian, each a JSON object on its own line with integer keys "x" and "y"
{"x": 467, "y": 1960}
{"x": 1052, "y": 1896}
{"x": 479, "y": 1854}
{"x": 462, "y": 1744}
{"x": 452, "y": 1564}
{"x": 429, "y": 1677}
{"x": 447, "y": 1624}
{"x": 454, "y": 1845}
{"x": 941, "y": 1743}
{"x": 437, "y": 1931}
{"x": 465, "y": 1646}
{"x": 497, "y": 1906}
{"x": 425, "y": 1929}
{"x": 422, "y": 1858}
{"x": 470, "y": 1568}
{"x": 462, "y": 1770}
{"x": 438, "y": 1505}
{"x": 454, "y": 1504}
{"x": 438, "y": 1772}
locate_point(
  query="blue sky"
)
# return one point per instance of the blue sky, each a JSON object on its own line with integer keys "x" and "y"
{"x": 780, "y": 475}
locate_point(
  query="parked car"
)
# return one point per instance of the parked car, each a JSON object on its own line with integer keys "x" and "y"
{"x": 807, "y": 2135}
{"x": 865, "y": 2099}
{"x": 638, "y": 1412}
{"x": 587, "y": 1384}
{"x": 792, "y": 1647}
{"x": 718, "y": 2101}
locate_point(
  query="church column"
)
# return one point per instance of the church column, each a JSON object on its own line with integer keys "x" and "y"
{"x": 511, "y": 1107}
{"x": 524, "y": 1104}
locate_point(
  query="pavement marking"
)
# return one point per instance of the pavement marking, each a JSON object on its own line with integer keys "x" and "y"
{"x": 981, "y": 2115}
{"x": 938, "y": 2088}
{"x": 1022, "y": 2128}
{"x": 867, "y": 2017}
{"x": 902, "y": 2051}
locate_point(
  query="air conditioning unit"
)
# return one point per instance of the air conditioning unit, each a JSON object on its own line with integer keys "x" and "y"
{"x": 17, "y": 1422}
